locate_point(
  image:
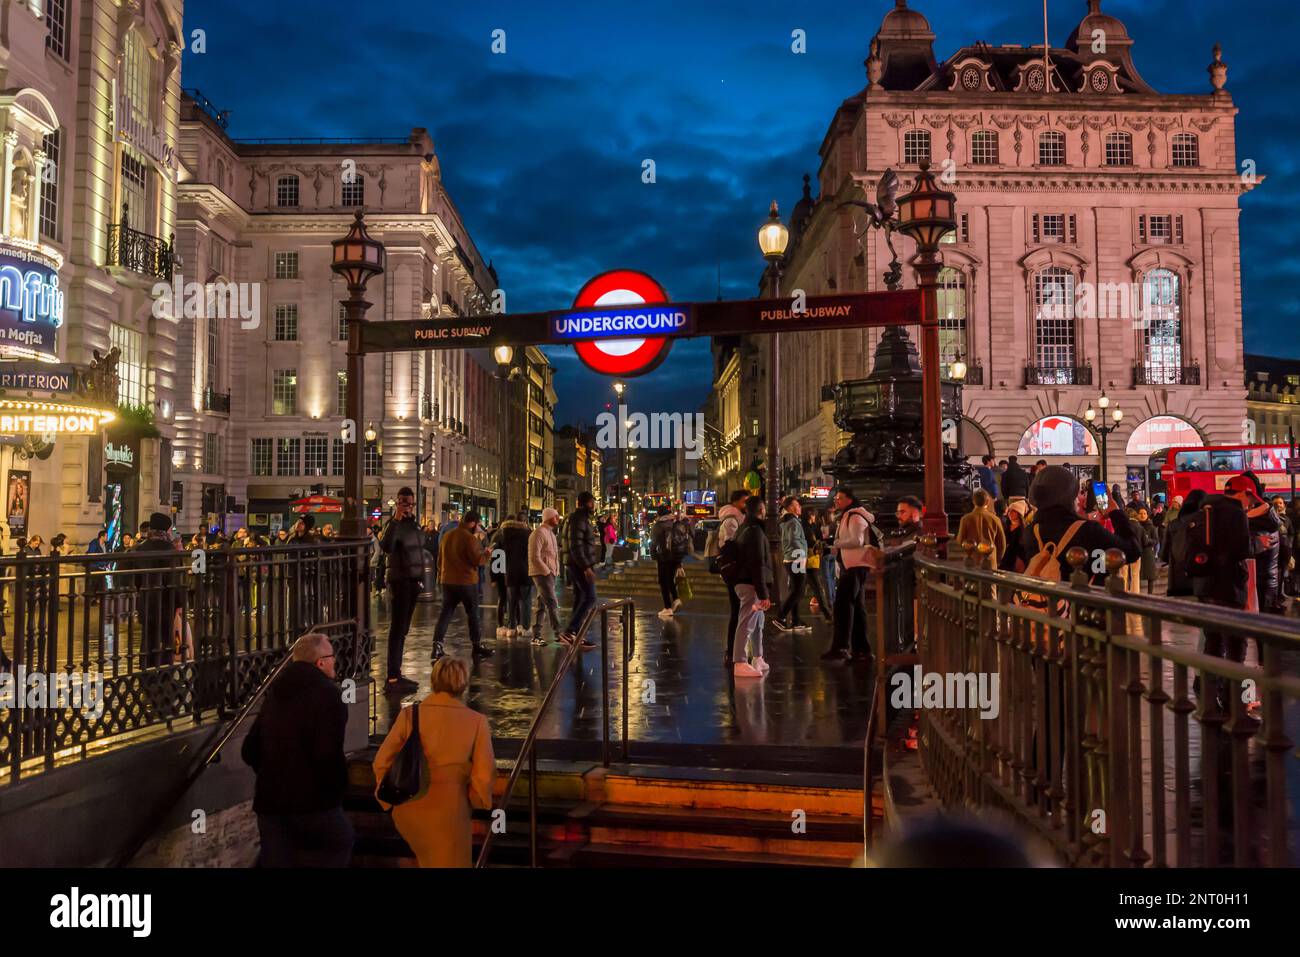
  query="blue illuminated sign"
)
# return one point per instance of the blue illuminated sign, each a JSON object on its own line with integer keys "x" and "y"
{"x": 627, "y": 322}
{"x": 31, "y": 302}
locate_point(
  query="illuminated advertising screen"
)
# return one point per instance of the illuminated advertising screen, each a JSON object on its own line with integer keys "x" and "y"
{"x": 31, "y": 301}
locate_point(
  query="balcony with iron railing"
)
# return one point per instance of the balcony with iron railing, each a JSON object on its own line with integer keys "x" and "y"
{"x": 1058, "y": 375}
{"x": 1151, "y": 373}
{"x": 214, "y": 401}
{"x": 140, "y": 252}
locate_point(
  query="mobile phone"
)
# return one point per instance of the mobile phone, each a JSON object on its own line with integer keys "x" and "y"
{"x": 1101, "y": 494}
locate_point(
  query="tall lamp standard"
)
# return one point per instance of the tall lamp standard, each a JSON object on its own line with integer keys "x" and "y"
{"x": 773, "y": 238}
{"x": 927, "y": 214}
{"x": 1103, "y": 430}
{"x": 357, "y": 258}
{"x": 504, "y": 355}
{"x": 620, "y": 388}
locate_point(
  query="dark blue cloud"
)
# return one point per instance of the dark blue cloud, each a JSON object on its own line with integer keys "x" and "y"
{"x": 542, "y": 147}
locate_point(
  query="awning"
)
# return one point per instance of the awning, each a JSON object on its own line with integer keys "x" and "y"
{"x": 316, "y": 504}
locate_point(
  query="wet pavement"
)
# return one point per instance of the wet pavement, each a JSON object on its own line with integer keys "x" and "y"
{"x": 692, "y": 698}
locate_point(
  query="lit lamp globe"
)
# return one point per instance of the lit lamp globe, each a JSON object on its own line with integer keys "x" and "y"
{"x": 957, "y": 371}
{"x": 1118, "y": 416}
{"x": 927, "y": 213}
{"x": 503, "y": 355}
{"x": 1104, "y": 402}
{"x": 1091, "y": 414}
{"x": 371, "y": 434}
{"x": 358, "y": 257}
{"x": 773, "y": 237}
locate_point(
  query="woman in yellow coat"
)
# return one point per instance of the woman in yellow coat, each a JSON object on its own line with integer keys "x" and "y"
{"x": 457, "y": 746}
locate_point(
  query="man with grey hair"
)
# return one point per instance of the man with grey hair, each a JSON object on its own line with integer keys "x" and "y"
{"x": 296, "y": 749}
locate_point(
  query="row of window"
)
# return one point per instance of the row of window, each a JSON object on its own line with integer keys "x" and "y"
{"x": 1118, "y": 148}
{"x": 312, "y": 455}
{"x": 353, "y": 193}
{"x": 1056, "y": 330}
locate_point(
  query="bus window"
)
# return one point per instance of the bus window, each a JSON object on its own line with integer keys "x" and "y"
{"x": 1267, "y": 460}
{"x": 1192, "y": 462}
{"x": 1225, "y": 461}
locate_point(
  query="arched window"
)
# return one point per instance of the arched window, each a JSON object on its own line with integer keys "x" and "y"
{"x": 1186, "y": 150}
{"x": 354, "y": 193}
{"x": 1054, "y": 349}
{"x": 1119, "y": 149}
{"x": 1051, "y": 148}
{"x": 984, "y": 148}
{"x": 1162, "y": 329}
{"x": 951, "y": 299}
{"x": 916, "y": 146}
{"x": 286, "y": 191}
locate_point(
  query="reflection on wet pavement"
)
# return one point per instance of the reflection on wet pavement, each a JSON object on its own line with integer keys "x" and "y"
{"x": 679, "y": 690}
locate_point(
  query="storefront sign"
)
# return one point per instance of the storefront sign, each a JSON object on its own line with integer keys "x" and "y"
{"x": 48, "y": 424}
{"x": 40, "y": 377}
{"x": 31, "y": 302}
{"x": 119, "y": 455}
{"x": 128, "y": 126}
{"x": 18, "y": 501}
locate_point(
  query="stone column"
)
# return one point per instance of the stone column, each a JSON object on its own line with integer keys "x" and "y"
{"x": 10, "y": 145}
{"x": 34, "y": 194}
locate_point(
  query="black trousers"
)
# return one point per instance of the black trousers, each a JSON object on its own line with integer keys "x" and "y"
{"x": 668, "y": 580}
{"x": 851, "y": 612}
{"x": 403, "y": 593}
{"x": 733, "y": 600}
{"x": 453, "y": 595}
{"x": 315, "y": 839}
{"x": 789, "y": 612}
{"x": 815, "y": 581}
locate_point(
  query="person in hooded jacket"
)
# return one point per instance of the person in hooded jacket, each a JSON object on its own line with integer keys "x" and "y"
{"x": 1015, "y": 481}
{"x": 512, "y": 539}
{"x": 1265, "y": 533}
{"x": 731, "y": 516}
{"x": 753, "y": 589}
{"x": 795, "y": 556}
{"x": 295, "y": 747}
{"x": 1053, "y": 496}
{"x": 1178, "y": 583}
{"x": 855, "y": 538}
{"x": 402, "y": 541}
{"x": 670, "y": 543}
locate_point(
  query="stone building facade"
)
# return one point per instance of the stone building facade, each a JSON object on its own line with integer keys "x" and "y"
{"x": 260, "y": 416}
{"x": 1097, "y": 245}
{"x": 89, "y": 101}
{"x": 1272, "y": 400}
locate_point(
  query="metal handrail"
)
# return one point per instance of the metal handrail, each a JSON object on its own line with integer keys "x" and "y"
{"x": 528, "y": 751}
{"x": 217, "y": 740}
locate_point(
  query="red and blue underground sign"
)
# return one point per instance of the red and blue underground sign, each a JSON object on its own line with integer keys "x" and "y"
{"x": 622, "y": 323}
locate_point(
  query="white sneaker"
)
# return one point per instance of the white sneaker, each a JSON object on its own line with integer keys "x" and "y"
{"x": 762, "y": 665}
{"x": 677, "y": 603}
{"x": 666, "y": 613}
{"x": 745, "y": 670}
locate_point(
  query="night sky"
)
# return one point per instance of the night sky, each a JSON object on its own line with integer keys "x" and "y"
{"x": 542, "y": 147}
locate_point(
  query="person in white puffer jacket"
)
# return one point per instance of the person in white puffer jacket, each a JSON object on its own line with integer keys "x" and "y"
{"x": 543, "y": 568}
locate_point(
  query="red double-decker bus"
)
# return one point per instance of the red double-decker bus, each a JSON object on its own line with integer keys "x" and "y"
{"x": 1210, "y": 467}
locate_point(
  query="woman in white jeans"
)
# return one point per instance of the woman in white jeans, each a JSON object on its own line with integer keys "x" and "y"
{"x": 752, "y": 579}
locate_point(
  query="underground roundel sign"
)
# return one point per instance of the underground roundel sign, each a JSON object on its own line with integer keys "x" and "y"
{"x": 621, "y": 357}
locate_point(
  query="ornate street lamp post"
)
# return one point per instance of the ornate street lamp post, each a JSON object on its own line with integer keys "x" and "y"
{"x": 1103, "y": 430}
{"x": 357, "y": 259}
{"x": 620, "y": 388}
{"x": 927, "y": 215}
{"x": 504, "y": 355}
{"x": 773, "y": 238}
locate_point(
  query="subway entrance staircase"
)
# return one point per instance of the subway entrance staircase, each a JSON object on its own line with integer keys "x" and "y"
{"x": 673, "y": 806}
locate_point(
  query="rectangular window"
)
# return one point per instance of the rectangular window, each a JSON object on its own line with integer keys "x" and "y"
{"x": 343, "y": 323}
{"x": 314, "y": 453}
{"x": 135, "y": 179}
{"x": 56, "y": 26}
{"x": 1051, "y": 149}
{"x": 286, "y": 456}
{"x": 1160, "y": 229}
{"x": 261, "y": 456}
{"x": 984, "y": 148}
{"x": 214, "y": 353}
{"x": 1054, "y": 325}
{"x": 50, "y": 186}
{"x": 284, "y": 392}
{"x": 354, "y": 193}
{"x": 341, "y": 394}
{"x": 336, "y": 457}
{"x": 372, "y": 458}
{"x": 286, "y": 265}
{"x": 1119, "y": 149}
{"x": 286, "y": 191}
{"x": 1186, "y": 150}
{"x": 212, "y": 464}
{"x": 130, "y": 364}
{"x": 286, "y": 323}
{"x": 1054, "y": 228}
{"x": 916, "y": 146}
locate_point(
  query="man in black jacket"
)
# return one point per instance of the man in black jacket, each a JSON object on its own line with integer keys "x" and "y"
{"x": 1053, "y": 494}
{"x": 581, "y": 547}
{"x": 403, "y": 543}
{"x": 162, "y": 592}
{"x": 1015, "y": 480}
{"x": 1224, "y": 581}
{"x": 752, "y": 581}
{"x": 296, "y": 749}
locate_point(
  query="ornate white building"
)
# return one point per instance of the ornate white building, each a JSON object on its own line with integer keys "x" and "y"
{"x": 1097, "y": 245}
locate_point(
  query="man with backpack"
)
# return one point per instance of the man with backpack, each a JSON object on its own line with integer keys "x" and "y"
{"x": 731, "y": 516}
{"x": 855, "y": 540}
{"x": 670, "y": 542}
{"x": 1057, "y": 527}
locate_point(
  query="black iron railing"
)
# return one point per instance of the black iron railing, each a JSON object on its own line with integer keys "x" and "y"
{"x": 1058, "y": 375}
{"x": 165, "y": 639}
{"x": 1112, "y": 737}
{"x": 216, "y": 401}
{"x": 1167, "y": 375}
{"x": 140, "y": 252}
{"x": 220, "y": 117}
